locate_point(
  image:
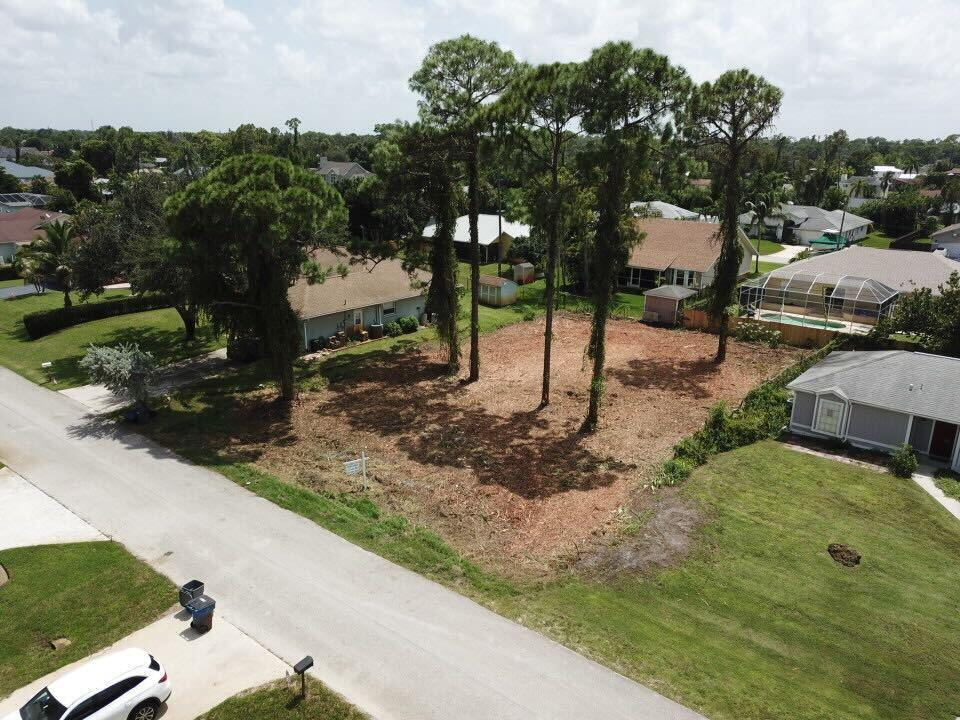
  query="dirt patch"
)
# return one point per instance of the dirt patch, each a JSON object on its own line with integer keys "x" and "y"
{"x": 660, "y": 533}
{"x": 844, "y": 554}
{"x": 499, "y": 479}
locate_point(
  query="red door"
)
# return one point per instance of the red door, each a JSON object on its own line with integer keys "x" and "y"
{"x": 944, "y": 435}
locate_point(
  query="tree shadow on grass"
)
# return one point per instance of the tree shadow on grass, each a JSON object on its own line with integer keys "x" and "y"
{"x": 408, "y": 399}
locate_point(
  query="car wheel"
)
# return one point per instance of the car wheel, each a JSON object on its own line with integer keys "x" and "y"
{"x": 145, "y": 711}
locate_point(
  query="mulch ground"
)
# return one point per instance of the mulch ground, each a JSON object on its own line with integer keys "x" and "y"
{"x": 509, "y": 484}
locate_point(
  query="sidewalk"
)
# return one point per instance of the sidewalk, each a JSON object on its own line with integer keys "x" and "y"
{"x": 924, "y": 478}
{"x": 102, "y": 401}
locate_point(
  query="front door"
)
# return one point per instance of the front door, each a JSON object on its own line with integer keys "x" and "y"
{"x": 941, "y": 444}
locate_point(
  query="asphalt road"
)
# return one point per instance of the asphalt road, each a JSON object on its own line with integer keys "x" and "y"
{"x": 395, "y": 644}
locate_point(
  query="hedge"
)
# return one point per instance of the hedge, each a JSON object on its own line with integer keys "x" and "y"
{"x": 44, "y": 322}
{"x": 762, "y": 414}
{"x": 8, "y": 273}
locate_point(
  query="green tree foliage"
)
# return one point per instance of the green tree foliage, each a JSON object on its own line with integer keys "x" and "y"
{"x": 456, "y": 80}
{"x": 8, "y": 183}
{"x": 77, "y": 177}
{"x": 933, "y": 319}
{"x": 247, "y": 228}
{"x": 99, "y": 154}
{"x": 834, "y": 199}
{"x": 50, "y": 257}
{"x": 39, "y": 185}
{"x": 727, "y": 116}
{"x": 628, "y": 96}
{"x": 125, "y": 369}
{"x": 540, "y": 113}
{"x": 897, "y": 214}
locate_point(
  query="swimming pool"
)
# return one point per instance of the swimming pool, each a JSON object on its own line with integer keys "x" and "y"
{"x": 804, "y": 321}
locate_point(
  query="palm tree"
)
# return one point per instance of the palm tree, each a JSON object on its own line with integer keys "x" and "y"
{"x": 759, "y": 210}
{"x": 950, "y": 198}
{"x": 49, "y": 256}
{"x": 886, "y": 181}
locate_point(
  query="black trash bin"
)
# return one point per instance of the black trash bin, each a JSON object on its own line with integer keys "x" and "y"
{"x": 201, "y": 610}
{"x": 190, "y": 591}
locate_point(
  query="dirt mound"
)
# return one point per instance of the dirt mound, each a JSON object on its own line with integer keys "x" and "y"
{"x": 844, "y": 554}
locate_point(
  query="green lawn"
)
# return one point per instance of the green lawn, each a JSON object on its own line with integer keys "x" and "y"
{"x": 10, "y": 283}
{"x": 281, "y": 701}
{"x": 767, "y": 247}
{"x": 93, "y": 594}
{"x": 878, "y": 239}
{"x": 949, "y": 482}
{"x": 159, "y": 331}
{"x": 758, "y": 622}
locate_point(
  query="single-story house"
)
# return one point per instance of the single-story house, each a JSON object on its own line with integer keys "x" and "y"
{"x": 902, "y": 270}
{"x": 802, "y": 224}
{"x": 20, "y": 228}
{"x": 882, "y": 400}
{"x": 497, "y": 291}
{"x": 679, "y": 253}
{"x": 948, "y": 239}
{"x": 25, "y": 172}
{"x": 496, "y": 235}
{"x": 658, "y": 208}
{"x": 664, "y": 304}
{"x": 333, "y": 171}
{"x": 369, "y": 294}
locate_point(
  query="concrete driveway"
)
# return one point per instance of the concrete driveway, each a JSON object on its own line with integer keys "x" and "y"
{"x": 204, "y": 670}
{"x": 31, "y": 517}
{"x": 782, "y": 257}
{"x": 17, "y": 291}
{"x": 394, "y": 643}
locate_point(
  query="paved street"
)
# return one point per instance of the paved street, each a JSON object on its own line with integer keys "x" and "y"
{"x": 394, "y": 643}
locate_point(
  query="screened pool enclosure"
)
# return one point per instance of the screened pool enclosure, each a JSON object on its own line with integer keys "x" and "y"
{"x": 819, "y": 299}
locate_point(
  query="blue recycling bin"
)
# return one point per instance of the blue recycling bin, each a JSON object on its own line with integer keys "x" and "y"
{"x": 190, "y": 591}
{"x": 201, "y": 611}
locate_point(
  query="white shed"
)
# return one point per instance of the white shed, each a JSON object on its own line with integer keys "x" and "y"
{"x": 497, "y": 291}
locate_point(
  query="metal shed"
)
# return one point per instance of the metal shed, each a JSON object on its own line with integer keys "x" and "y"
{"x": 497, "y": 291}
{"x": 664, "y": 304}
{"x": 524, "y": 273}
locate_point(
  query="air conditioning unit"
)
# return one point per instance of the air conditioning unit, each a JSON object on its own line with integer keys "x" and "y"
{"x": 650, "y": 316}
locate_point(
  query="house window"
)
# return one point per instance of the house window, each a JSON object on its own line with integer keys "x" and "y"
{"x": 829, "y": 414}
{"x": 389, "y": 308}
{"x": 683, "y": 277}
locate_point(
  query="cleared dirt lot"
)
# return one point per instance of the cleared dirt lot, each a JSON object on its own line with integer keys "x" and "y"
{"x": 479, "y": 463}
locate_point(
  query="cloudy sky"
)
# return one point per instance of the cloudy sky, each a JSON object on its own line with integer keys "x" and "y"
{"x": 872, "y": 67}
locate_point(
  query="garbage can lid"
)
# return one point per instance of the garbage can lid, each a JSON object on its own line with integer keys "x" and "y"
{"x": 204, "y": 602}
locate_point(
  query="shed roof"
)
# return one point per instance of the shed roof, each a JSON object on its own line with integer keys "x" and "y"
{"x": 487, "y": 227}
{"x": 682, "y": 244}
{"x": 909, "y": 382}
{"x": 365, "y": 284}
{"x": 494, "y": 281}
{"x": 903, "y": 270}
{"x": 674, "y": 292}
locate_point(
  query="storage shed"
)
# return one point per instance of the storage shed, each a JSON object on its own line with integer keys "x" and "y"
{"x": 497, "y": 291}
{"x": 664, "y": 304}
{"x": 524, "y": 273}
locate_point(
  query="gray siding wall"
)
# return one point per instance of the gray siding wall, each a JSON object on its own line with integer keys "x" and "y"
{"x": 664, "y": 307}
{"x": 884, "y": 427}
{"x": 803, "y": 404}
{"x": 327, "y": 325}
{"x": 920, "y": 433}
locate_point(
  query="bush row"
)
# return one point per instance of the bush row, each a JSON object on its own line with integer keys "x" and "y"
{"x": 44, "y": 322}
{"x": 762, "y": 414}
{"x": 400, "y": 326}
{"x": 8, "y": 273}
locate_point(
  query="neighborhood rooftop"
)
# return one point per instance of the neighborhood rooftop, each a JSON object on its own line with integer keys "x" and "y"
{"x": 668, "y": 243}
{"x": 488, "y": 229}
{"x": 23, "y": 226}
{"x": 902, "y": 270}
{"x": 909, "y": 382}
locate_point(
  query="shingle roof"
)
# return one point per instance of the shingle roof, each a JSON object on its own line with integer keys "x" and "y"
{"x": 341, "y": 168}
{"x": 366, "y": 284}
{"x": 674, "y": 292}
{"x": 810, "y": 217}
{"x": 25, "y": 172}
{"x": 494, "y": 281}
{"x": 487, "y": 229}
{"x": 950, "y": 233}
{"x": 681, "y": 244}
{"x": 903, "y": 270}
{"x": 909, "y": 382}
{"x": 23, "y": 226}
{"x": 666, "y": 210}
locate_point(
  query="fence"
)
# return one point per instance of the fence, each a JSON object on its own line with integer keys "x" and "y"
{"x": 797, "y": 335}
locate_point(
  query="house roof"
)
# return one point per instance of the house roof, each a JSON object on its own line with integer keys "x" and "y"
{"x": 910, "y": 382}
{"x": 343, "y": 169}
{"x": 902, "y": 270}
{"x": 24, "y": 172}
{"x": 666, "y": 210}
{"x": 365, "y": 284}
{"x": 673, "y": 292}
{"x": 683, "y": 245}
{"x": 951, "y": 233}
{"x": 23, "y": 226}
{"x": 487, "y": 228}
{"x": 810, "y": 217}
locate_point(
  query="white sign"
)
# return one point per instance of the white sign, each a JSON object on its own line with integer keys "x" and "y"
{"x": 353, "y": 466}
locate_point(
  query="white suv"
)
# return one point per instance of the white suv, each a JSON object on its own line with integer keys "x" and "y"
{"x": 125, "y": 685}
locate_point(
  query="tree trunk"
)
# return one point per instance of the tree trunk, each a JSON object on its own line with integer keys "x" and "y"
{"x": 598, "y": 351}
{"x": 728, "y": 265}
{"x": 552, "y": 241}
{"x": 722, "y": 333}
{"x": 189, "y": 317}
{"x": 67, "y": 302}
{"x": 474, "y": 211}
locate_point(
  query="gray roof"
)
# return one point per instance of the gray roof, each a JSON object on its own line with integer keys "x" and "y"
{"x": 340, "y": 169}
{"x": 810, "y": 217}
{"x": 674, "y": 292}
{"x": 903, "y": 270}
{"x": 909, "y": 382}
{"x": 951, "y": 233}
{"x": 666, "y": 210}
{"x": 25, "y": 172}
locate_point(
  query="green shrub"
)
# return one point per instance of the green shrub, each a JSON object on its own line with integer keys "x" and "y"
{"x": 44, "y": 322}
{"x": 408, "y": 324}
{"x": 757, "y": 332}
{"x": 393, "y": 329}
{"x": 674, "y": 472}
{"x": 7, "y": 272}
{"x": 528, "y": 313}
{"x": 904, "y": 462}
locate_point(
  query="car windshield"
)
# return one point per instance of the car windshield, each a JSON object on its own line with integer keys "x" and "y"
{"x": 43, "y": 706}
